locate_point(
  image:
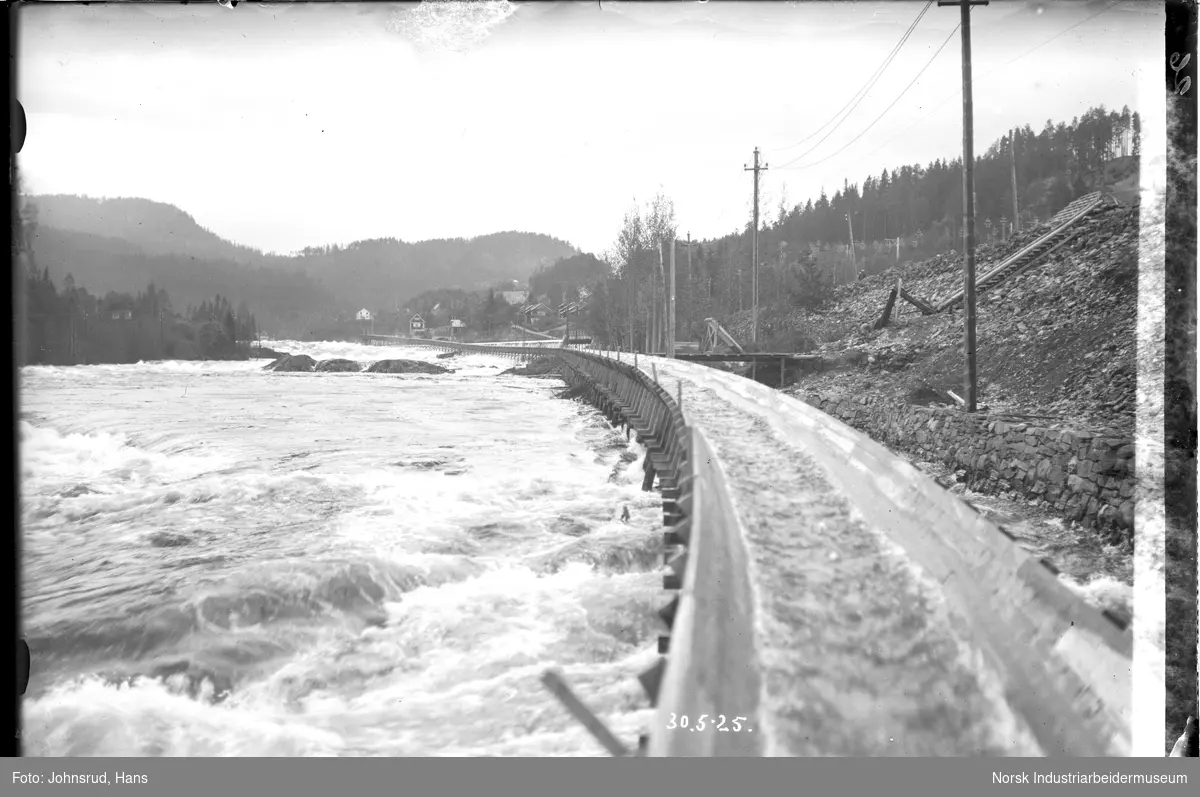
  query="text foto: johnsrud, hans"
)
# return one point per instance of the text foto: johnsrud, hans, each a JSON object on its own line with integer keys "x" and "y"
{"x": 101, "y": 778}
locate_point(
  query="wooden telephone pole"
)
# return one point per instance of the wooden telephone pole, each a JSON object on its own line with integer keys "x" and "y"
{"x": 972, "y": 377}
{"x": 1012, "y": 160}
{"x": 690, "y": 290}
{"x": 853, "y": 263}
{"x": 671, "y": 305}
{"x": 756, "y": 168}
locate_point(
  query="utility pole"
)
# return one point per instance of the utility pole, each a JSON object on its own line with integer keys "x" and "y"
{"x": 754, "y": 251}
{"x": 853, "y": 263}
{"x": 689, "y": 315}
{"x": 629, "y": 304}
{"x": 671, "y": 306}
{"x": 659, "y": 310}
{"x": 968, "y": 200}
{"x": 1012, "y": 159}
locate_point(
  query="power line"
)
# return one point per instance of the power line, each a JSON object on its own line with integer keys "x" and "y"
{"x": 885, "y": 110}
{"x": 862, "y": 92}
{"x": 1109, "y": 7}
{"x": 985, "y": 75}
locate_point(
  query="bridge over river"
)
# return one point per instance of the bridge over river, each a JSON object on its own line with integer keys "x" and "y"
{"x": 826, "y": 598}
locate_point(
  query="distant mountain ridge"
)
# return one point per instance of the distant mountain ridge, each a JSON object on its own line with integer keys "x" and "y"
{"x": 155, "y": 227}
{"x": 393, "y": 270}
{"x": 122, "y": 244}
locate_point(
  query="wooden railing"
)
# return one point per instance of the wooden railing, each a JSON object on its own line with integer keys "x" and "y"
{"x": 713, "y": 668}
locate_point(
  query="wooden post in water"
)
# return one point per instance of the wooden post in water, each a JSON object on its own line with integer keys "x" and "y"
{"x": 558, "y": 687}
{"x": 648, "y": 474}
{"x": 782, "y": 371}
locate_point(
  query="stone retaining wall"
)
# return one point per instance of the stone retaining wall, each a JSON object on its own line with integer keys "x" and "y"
{"x": 1081, "y": 476}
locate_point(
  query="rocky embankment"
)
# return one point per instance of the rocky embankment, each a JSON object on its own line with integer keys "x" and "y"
{"x": 1056, "y": 349}
{"x": 1057, "y": 341}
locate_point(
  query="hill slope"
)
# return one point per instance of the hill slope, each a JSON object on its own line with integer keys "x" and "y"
{"x": 123, "y": 244}
{"x": 282, "y": 302}
{"x": 382, "y": 272}
{"x": 153, "y": 227}
{"x": 1058, "y": 340}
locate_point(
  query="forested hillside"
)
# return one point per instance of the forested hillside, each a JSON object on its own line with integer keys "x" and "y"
{"x": 124, "y": 244}
{"x": 152, "y": 227}
{"x": 284, "y": 302}
{"x": 906, "y": 213}
{"x": 382, "y": 273}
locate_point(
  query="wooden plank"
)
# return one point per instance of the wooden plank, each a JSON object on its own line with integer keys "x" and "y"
{"x": 887, "y": 310}
{"x": 555, "y": 683}
{"x": 762, "y": 356}
{"x": 923, "y": 306}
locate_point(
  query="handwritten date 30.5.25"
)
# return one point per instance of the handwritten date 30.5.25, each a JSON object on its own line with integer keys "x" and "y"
{"x": 708, "y": 723}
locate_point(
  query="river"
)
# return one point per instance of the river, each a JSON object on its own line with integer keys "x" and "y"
{"x": 222, "y": 561}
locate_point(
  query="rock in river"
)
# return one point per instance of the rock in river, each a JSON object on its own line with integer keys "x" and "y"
{"x": 338, "y": 365}
{"x": 406, "y": 367}
{"x": 292, "y": 362}
{"x": 542, "y": 366}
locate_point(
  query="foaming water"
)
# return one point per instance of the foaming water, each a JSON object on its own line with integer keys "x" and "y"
{"x": 1098, "y": 570}
{"x": 223, "y": 561}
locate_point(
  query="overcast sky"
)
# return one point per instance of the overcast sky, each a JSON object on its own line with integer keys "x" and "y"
{"x": 285, "y": 126}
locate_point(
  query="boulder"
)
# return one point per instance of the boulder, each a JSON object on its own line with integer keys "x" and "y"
{"x": 292, "y": 362}
{"x": 406, "y": 367}
{"x": 339, "y": 365}
{"x": 542, "y": 366}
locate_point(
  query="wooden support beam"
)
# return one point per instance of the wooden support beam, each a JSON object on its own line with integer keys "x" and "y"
{"x": 920, "y": 304}
{"x": 887, "y": 310}
{"x": 679, "y": 534}
{"x": 558, "y": 687}
{"x": 668, "y": 612}
{"x": 651, "y": 680}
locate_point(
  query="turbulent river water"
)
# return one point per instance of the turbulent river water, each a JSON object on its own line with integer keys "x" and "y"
{"x": 222, "y": 561}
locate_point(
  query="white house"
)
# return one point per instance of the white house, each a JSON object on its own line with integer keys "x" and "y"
{"x": 515, "y": 298}
{"x": 363, "y": 315}
{"x": 416, "y": 323}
